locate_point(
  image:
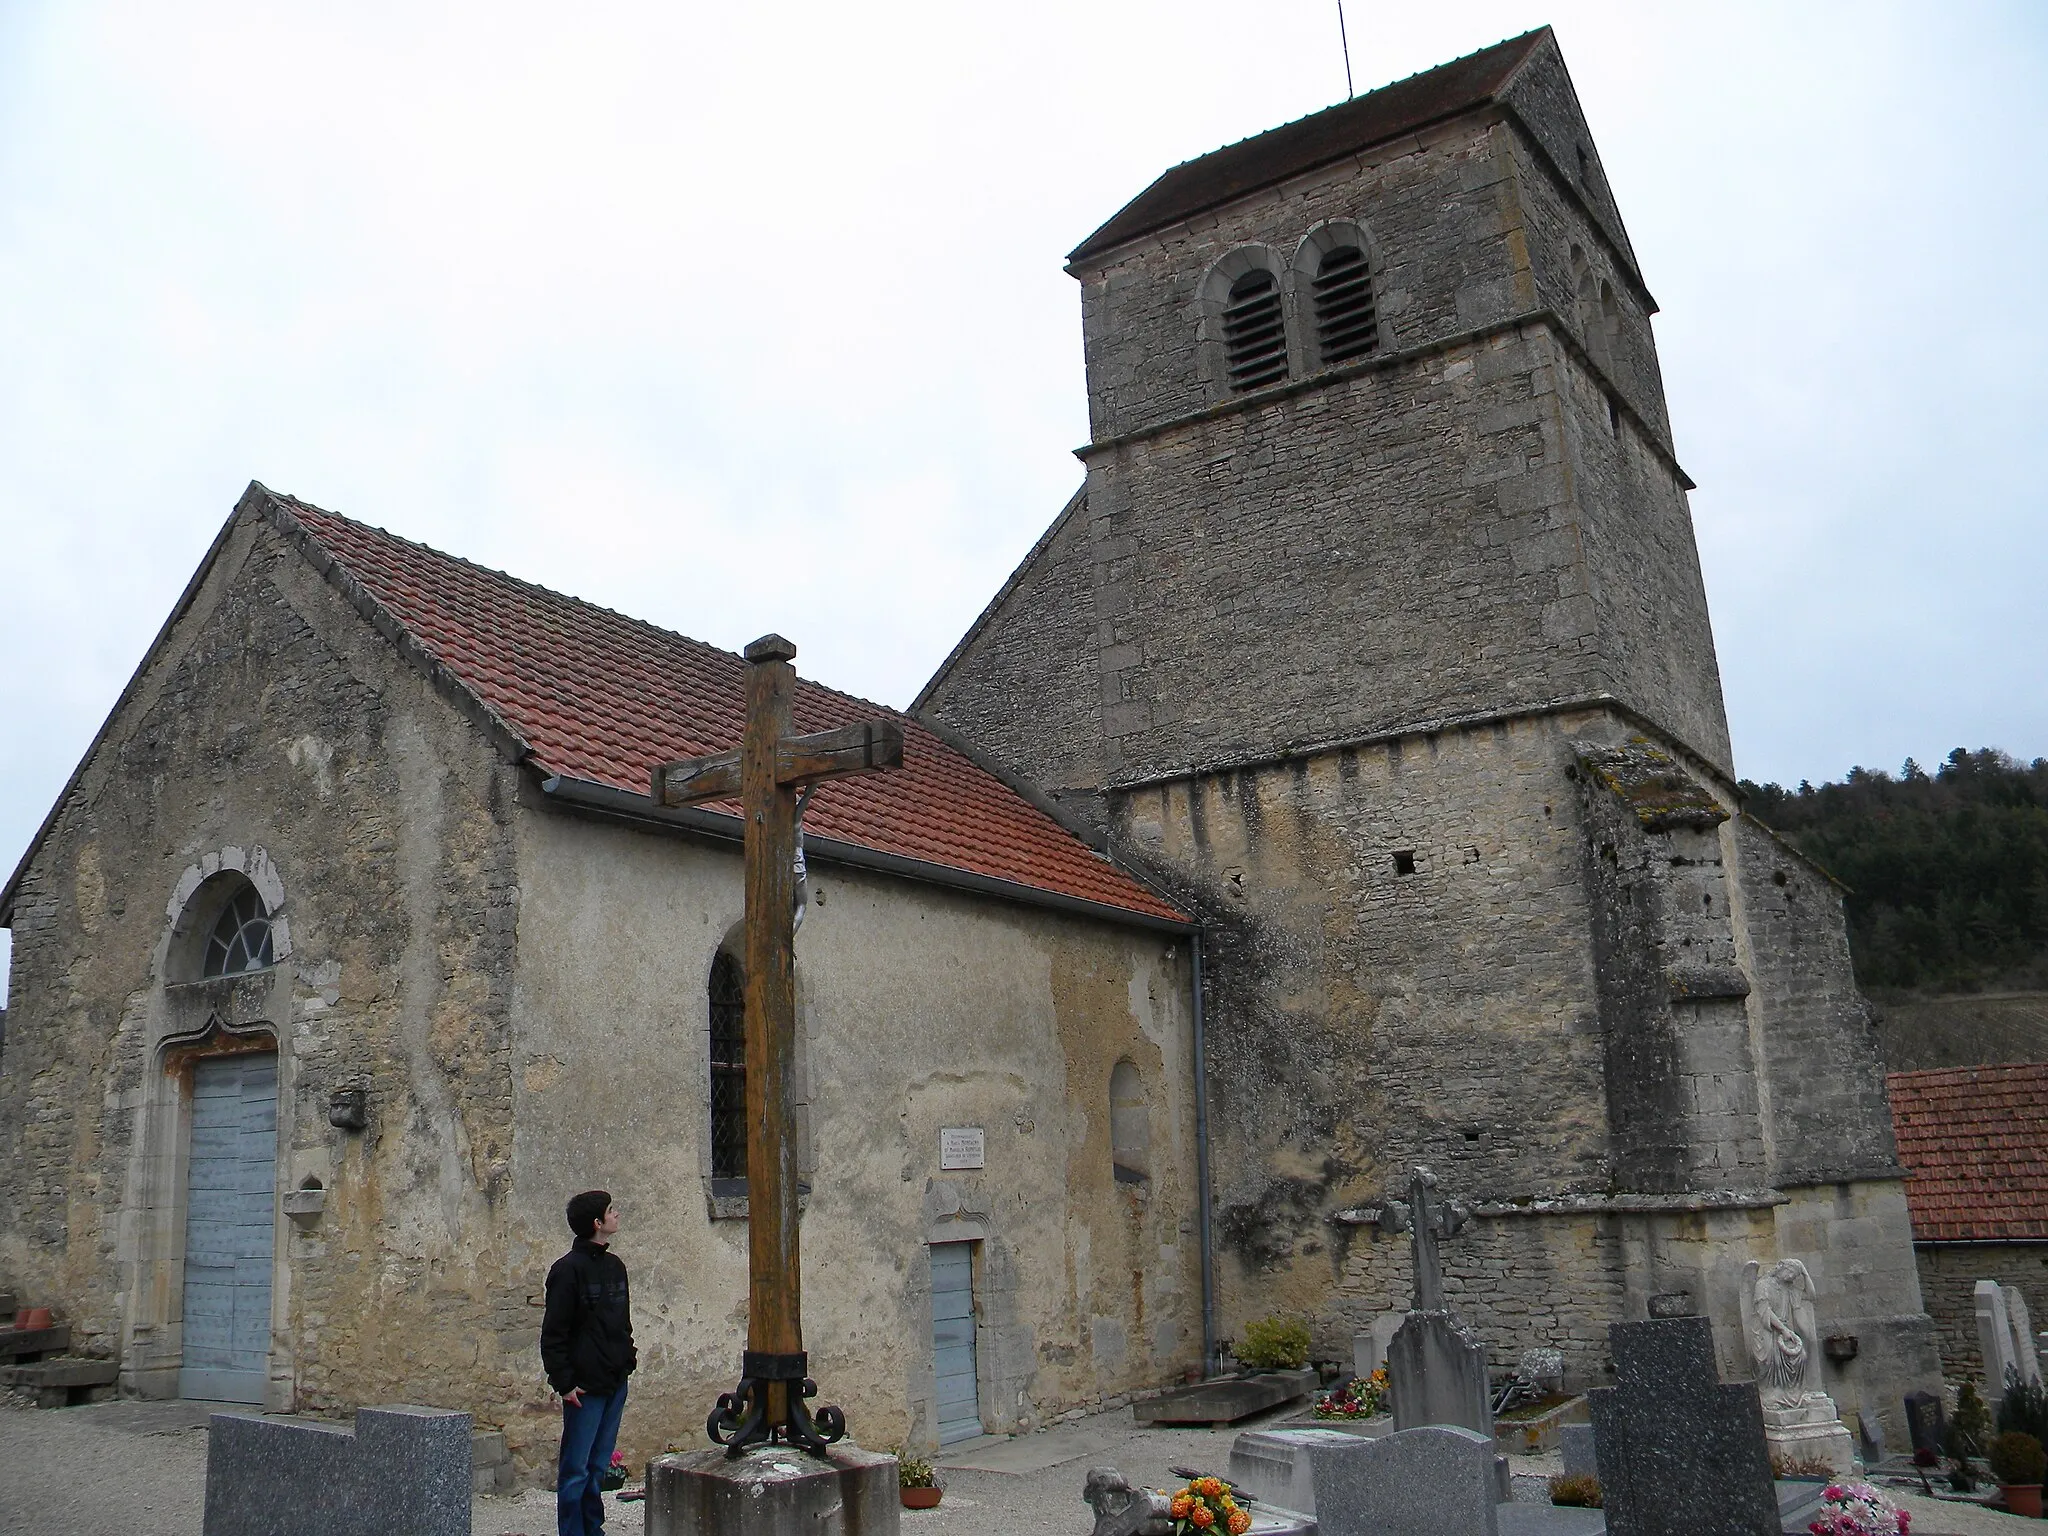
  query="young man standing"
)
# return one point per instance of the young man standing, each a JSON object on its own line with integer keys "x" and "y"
{"x": 586, "y": 1347}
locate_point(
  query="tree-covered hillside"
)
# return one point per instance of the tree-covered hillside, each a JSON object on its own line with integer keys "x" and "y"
{"x": 1947, "y": 873}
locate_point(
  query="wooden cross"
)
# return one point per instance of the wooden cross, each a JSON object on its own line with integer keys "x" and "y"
{"x": 765, "y": 775}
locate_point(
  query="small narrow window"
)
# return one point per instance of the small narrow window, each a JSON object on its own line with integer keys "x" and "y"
{"x": 241, "y": 937}
{"x": 1404, "y": 862}
{"x": 1254, "y": 335}
{"x": 728, "y": 1069}
{"x": 1347, "y": 325}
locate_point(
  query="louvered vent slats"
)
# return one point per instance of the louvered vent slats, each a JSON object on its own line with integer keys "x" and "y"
{"x": 1254, "y": 335}
{"x": 1347, "y": 325}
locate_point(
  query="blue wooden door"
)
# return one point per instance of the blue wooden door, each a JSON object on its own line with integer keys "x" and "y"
{"x": 959, "y": 1399}
{"x": 229, "y": 1230}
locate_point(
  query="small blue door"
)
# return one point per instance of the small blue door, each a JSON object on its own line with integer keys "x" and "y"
{"x": 229, "y": 1229}
{"x": 959, "y": 1397}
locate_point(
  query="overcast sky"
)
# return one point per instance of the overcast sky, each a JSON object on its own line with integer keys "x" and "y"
{"x": 742, "y": 318}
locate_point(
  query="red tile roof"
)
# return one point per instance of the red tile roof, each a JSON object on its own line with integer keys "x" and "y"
{"x": 1974, "y": 1142}
{"x": 594, "y": 695}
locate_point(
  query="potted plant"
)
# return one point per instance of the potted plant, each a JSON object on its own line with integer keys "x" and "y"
{"x": 614, "y": 1477}
{"x": 1857, "y": 1509}
{"x": 2017, "y": 1461}
{"x": 917, "y": 1482}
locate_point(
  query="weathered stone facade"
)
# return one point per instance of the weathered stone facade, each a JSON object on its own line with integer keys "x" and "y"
{"x": 519, "y": 994}
{"x": 1399, "y": 672}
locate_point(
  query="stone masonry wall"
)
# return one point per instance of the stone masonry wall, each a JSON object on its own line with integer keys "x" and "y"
{"x": 1829, "y": 1118}
{"x": 1397, "y": 971}
{"x": 1949, "y": 1273}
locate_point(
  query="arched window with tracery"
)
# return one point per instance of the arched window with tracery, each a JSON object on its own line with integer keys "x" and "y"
{"x": 1254, "y": 332}
{"x": 240, "y": 941}
{"x": 728, "y": 997}
{"x": 1347, "y": 320}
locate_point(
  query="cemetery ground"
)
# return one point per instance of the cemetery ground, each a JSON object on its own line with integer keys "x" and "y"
{"x": 139, "y": 1469}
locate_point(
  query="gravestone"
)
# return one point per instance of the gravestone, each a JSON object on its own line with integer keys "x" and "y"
{"x": 1437, "y": 1364}
{"x": 2025, "y": 1348}
{"x": 1994, "y": 1339}
{"x": 401, "y": 1471}
{"x": 1274, "y": 1465}
{"x": 1926, "y": 1422}
{"x": 1576, "y": 1442}
{"x": 1369, "y": 1345}
{"x": 1439, "y": 1480}
{"x": 1680, "y": 1452}
{"x": 1873, "y": 1437}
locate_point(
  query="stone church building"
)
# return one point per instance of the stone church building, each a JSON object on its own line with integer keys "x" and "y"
{"x": 1342, "y": 782}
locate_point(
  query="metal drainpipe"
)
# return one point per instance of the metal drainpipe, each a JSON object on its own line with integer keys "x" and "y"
{"x": 1210, "y": 1362}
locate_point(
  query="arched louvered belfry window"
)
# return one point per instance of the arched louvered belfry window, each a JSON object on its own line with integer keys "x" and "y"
{"x": 1254, "y": 332}
{"x": 1347, "y": 322}
{"x": 728, "y": 1068}
{"x": 241, "y": 937}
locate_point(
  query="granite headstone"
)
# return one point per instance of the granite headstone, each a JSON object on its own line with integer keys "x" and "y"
{"x": 1439, "y": 1480}
{"x": 1680, "y": 1452}
{"x": 1926, "y": 1421}
{"x": 401, "y": 1471}
{"x": 1576, "y": 1442}
{"x": 2025, "y": 1347}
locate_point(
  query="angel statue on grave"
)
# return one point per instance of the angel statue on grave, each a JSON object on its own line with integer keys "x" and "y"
{"x": 1777, "y": 1320}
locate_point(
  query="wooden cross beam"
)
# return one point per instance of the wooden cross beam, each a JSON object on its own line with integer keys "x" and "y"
{"x": 765, "y": 775}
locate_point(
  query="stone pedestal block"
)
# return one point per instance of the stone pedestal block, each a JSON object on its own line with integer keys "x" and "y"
{"x": 773, "y": 1491}
{"x": 1438, "y": 1370}
{"x": 1811, "y": 1434}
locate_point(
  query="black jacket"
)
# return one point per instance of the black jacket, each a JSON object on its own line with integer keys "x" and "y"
{"x": 586, "y": 1334}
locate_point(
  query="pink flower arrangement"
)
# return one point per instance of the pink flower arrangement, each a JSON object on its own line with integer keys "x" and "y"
{"x": 1857, "y": 1509}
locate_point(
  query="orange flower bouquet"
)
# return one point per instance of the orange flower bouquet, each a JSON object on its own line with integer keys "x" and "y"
{"x": 1205, "y": 1508}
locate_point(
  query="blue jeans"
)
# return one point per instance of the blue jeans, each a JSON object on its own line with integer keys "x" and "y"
{"x": 589, "y": 1431}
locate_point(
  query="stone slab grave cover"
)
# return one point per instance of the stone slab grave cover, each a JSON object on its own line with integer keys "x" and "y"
{"x": 1121, "y": 1510}
{"x": 1439, "y": 1480}
{"x": 773, "y": 1490}
{"x": 1801, "y": 1421}
{"x": 1680, "y": 1452}
{"x": 401, "y": 1471}
{"x": 1225, "y": 1399}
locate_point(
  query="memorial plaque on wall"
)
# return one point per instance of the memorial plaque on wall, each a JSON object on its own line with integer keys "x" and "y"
{"x": 961, "y": 1146}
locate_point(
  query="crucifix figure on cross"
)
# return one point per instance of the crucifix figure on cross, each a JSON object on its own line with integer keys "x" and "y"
{"x": 767, "y": 773}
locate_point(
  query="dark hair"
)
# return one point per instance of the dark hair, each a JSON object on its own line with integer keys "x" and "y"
{"x": 587, "y": 1210}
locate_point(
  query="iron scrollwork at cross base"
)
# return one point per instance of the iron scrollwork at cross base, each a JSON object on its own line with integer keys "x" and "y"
{"x": 741, "y": 1418}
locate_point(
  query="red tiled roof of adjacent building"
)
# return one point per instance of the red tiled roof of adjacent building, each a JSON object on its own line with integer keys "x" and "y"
{"x": 1974, "y": 1142}
{"x": 597, "y": 696}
